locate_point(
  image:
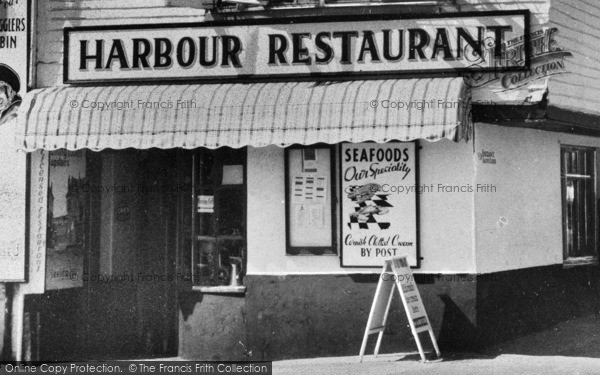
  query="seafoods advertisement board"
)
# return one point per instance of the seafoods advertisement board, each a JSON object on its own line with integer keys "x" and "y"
{"x": 379, "y": 203}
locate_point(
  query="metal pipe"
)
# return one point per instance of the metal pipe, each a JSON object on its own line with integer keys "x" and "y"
{"x": 370, "y": 4}
{"x": 322, "y": 4}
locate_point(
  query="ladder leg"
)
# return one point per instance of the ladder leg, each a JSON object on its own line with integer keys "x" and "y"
{"x": 379, "y": 337}
{"x": 363, "y": 346}
{"x": 385, "y": 316}
{"x": 435, "y": 345}
{"x": 418, "y": 340}
{"x": 374, "y": 305}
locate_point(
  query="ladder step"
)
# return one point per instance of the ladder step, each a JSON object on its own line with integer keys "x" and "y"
{"x": 376, "y": 329}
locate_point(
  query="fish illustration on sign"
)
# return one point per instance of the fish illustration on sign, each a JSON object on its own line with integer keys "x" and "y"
{"x": 364, "y": 213}
{"x": 360, "y": 195}
{"x": 364, "y": 192}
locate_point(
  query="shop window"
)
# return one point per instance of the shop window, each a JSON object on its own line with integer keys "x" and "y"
{"x": 219, "y": 217}
{"x": 310, "y": 209}
{"x": 578, "y": 166}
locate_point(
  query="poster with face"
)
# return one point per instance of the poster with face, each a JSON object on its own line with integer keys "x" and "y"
{"x": 13, "y": 75}
{"x": 9, "y": 93}
{"x": 13, "y": 57}
{"x": 379, "y": 203}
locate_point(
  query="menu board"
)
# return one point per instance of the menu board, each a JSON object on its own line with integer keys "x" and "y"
{"x": 309, "y": 198}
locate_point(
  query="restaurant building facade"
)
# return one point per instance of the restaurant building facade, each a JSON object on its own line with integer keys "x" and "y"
{"x": 226, "y": 185}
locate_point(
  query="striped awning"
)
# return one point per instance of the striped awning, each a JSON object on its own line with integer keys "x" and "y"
{"x": 242, "y": 114}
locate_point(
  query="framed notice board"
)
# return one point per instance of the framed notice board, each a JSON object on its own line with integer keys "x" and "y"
{"x": 310, "y": 211}
{"x": 378, "y": 197}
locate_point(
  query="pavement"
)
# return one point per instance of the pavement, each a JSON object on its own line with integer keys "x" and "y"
{"x": 571, "y": 347}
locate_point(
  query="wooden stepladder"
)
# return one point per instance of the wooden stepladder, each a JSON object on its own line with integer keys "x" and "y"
{"x": 397, "y": 272}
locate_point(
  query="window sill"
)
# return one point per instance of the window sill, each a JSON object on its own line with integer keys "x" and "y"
{"x": 582, "y": 261}
{"x": 224, "y": 289}
{"x": 310, "y": 254}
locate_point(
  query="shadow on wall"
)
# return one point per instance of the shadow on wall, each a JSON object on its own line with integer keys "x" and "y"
{"x": 211, "y": 327}
{"x": 541, "y": 311}
{"x": 187, "y": 302}
{"x": 579, "y": 337}
{"x": 457, "y": 332}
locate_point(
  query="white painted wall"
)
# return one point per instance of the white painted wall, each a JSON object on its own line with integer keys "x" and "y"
{"x": 539, "y": 8}
{"x": 460, "y": 232}
{"x": 52, "y": 16}
{"x": 528, "y": 194}
{"x": 446, "y": 218}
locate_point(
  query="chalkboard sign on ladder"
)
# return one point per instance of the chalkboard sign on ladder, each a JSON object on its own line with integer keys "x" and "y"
{"x": 397, "y": 272}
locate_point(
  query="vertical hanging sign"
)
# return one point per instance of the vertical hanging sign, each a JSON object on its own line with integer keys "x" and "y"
{"x": 379, "y": 203}
{"x": 13, "y": 164}
{"x": 38, "y": 223}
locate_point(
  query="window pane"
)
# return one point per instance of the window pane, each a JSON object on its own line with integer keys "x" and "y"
{"x": 220, "y": 215}
{"x": 568, "y": 219}
{"x": 579, "y": 201}
{"x": 589, "y": 165}
{"x": 231, "y": 212}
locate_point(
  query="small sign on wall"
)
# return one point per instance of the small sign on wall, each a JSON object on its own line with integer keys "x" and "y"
{"x": 206, "y": 203}
{"x": 123, "y": 213}
{"x": 487, "y": 157}
{"x": 379, "y": 203}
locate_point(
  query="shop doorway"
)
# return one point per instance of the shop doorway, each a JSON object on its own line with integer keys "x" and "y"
{"x": 132, "y": 265}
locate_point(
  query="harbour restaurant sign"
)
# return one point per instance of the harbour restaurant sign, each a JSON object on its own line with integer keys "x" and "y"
{"x": 316, "y": 47}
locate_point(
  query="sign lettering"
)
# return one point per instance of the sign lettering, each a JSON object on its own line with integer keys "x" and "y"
{"x": 378, "y": 203}
{"x": 293, "y": 47}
